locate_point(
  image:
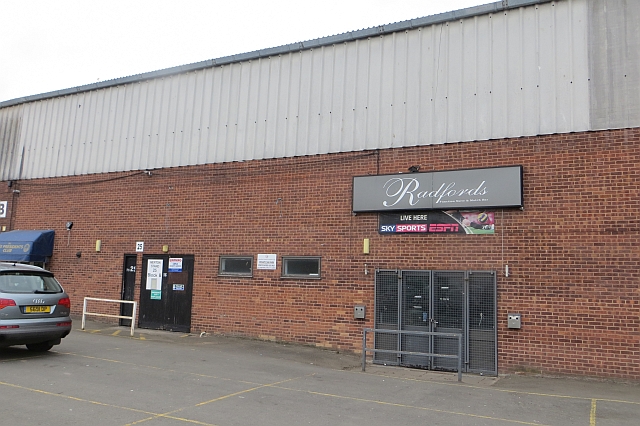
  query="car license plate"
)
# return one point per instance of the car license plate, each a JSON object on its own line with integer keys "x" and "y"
{"x": 37, "y": 309}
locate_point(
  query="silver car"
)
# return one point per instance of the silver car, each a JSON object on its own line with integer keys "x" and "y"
{"x": 34, "y": 309}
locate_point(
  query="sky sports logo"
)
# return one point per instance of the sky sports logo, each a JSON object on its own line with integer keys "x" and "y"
{"x": 420, "y": 228}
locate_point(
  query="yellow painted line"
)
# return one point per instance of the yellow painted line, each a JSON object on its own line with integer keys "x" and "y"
{"x": 168, "y": 415}
{"x": 485, "y": 388}
{"x": 173, "y": 418}
{"x": 115, "y": 333}
{"x": 152, "y": 367}
{"x": 185, "y": 335}
{"x": 275, "y": 384}
{"x": 394, "y": 404}
{"x": 482, "y": 388}
{"x": 73, "y": 398}
{"x": 135, "y": 410}
{"x": 26, "y": 358}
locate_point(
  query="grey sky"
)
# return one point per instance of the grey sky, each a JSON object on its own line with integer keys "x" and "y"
{"x": 48, "y": 45}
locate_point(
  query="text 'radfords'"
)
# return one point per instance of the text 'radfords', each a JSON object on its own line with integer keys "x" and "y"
{"x": 399, "y": 189}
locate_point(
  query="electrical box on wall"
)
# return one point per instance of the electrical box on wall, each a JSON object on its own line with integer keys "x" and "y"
{"x": 358, "y": 312}
{"x": 513, "y": 320}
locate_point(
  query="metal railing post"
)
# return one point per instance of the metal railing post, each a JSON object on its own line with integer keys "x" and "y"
{"x": 133, "y": 317}
{"x": 84, "y": 312}
{"x": 364, "y": 349}
{"x": 459, "y": 357}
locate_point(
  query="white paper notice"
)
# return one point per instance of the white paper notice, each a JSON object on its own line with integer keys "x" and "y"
{"x": 154, "y": 274}
{"x": 267, "y": 261}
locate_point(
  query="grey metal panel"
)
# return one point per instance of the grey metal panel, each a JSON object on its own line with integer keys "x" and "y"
{"x": 31, "y": 133}
{"x": 293, "y": 47}
{"x": 614, "y": 49}
{"x": 512, "y": 73}
{"x": 10, "y": 130}
{"x": 274, "y": 116}
{"x": 294, "y": 87}
{"x": 303, "y": 116}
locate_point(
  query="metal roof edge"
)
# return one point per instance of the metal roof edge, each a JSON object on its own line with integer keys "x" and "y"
{"x": 288, "y": 48}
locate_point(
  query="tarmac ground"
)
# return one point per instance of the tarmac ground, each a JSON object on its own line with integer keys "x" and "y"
{"x": 103, "y": 376}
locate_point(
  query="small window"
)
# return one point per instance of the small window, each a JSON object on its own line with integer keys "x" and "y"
{"x": 236, "y": 265}
{"x": 301, "y": 267}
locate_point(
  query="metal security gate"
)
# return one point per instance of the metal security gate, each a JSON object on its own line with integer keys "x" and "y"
{"x": 481, "y": 323}
{"x": 437, "y": 301}
{"x": 387, "y": 318}
{"x": 448, "y": 315}
{"x": 415, "y": 316}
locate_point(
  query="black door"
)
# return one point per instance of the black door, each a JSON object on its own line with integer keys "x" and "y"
{"x": 165, "y": 292}
{"x": 128, "y": 287}
{"x": 179, "y": 290}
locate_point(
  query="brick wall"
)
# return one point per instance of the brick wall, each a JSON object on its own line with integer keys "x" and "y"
{"x": 572, "y": 252}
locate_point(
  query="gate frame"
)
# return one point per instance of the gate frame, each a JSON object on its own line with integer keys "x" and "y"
{"x": 365, "y": 349}
{"x": 465, "y": 329}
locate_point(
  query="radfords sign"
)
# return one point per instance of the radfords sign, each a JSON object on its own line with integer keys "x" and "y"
{"x": 450, "y": 190}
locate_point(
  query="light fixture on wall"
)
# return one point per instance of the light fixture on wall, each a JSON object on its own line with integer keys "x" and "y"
{"x": 69, "y": 225}
{"x": 165, "y": 248}
{"x": 365, "y": 246}
{"x": 98, "y": 245}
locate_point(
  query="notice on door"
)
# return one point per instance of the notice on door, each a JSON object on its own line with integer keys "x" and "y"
{"x": 175, "y": 264}
{"x": 154, "y": 274}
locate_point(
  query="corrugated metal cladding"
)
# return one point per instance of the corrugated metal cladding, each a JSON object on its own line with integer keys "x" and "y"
{"x": 10, "y": 130}
{"x": 614, "y": 49}
{"x": 518, "y": 72}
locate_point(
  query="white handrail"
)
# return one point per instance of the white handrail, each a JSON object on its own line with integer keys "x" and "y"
{"x": 132, "y": 317}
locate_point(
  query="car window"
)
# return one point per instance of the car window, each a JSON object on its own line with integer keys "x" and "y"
{"x": 21, "y": 283}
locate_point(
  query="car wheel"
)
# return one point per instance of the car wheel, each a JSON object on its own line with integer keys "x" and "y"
{"x": 39, "y": 347}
